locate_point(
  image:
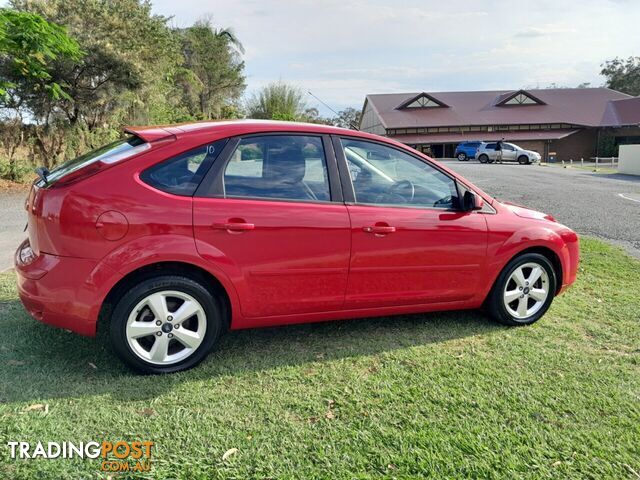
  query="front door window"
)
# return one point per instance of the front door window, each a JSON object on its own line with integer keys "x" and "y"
{"x": 382, "y": 175}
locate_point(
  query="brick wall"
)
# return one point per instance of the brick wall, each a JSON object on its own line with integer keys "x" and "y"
{"x": 581, "y": 144}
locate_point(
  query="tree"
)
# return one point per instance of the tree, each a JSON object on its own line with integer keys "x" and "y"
{"x": 29, "y": 49}
{"x": 125, "y": 46}
{"x": 29, "y": 45}
{"x": 277, "y": 101}
{"x": 623, "y": 75}
{"x": 347, "y": 118}
{"x": 212, "y": 75}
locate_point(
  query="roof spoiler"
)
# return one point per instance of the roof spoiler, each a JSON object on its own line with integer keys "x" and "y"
{"x": 149, "y": 134}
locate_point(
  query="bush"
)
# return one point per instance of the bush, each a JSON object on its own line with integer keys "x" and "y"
{"x": 20, "y": 171}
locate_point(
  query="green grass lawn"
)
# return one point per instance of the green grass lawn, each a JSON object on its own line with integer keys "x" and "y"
{"x": 446, "y": 395}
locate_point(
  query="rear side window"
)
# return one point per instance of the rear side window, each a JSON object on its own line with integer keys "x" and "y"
{"x": 110, "y": 153}
{"x": 490, "y": 146}
{"x": 182, "y": 174}
{"x": 288, "y": 167}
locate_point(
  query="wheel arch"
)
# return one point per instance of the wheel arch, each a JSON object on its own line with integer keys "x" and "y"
{"x": 546, "y": 252}
{"x": 150, "y": 270}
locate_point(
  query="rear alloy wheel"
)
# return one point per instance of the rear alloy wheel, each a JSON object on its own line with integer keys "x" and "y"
{"x": 523, "y": 160}
{"x": 483, "y": 158}
{"x": 523, "y": 291}
{"x": 165, "y": 324}
{"x": 462, "y": 157}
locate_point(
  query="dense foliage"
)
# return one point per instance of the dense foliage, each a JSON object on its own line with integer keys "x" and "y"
{"x": 623, "y": 75}
{"x": 72, "y": 72}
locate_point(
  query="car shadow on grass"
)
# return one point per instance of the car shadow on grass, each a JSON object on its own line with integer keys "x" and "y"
{"x": 40, "y": 362}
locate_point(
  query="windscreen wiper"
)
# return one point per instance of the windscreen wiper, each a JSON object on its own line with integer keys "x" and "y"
{"x": 43, "y": 173}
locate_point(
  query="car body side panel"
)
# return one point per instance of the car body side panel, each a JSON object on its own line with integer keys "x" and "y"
{"x": 433, "y": 256}
{"x": 505, "y": 243}
{"x": 77, "y": 266}
{"x": 149, "y": 250}
{"x": 294, "y": 260}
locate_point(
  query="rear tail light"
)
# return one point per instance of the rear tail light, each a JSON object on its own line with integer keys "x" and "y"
{"x": 26, "y": 255}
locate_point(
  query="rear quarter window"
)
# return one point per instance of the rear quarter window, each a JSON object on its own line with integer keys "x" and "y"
{"x": 110, "y": 153}
{"x": 182, "y": 174}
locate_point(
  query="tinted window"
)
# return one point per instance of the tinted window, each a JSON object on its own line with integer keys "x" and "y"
{"x": 490, "y": 146}
{"x": 291, "y": 167}
{"x": 385, "y": 176}
{"x": 182, "y": 174}
{"x": 111, "y": 153}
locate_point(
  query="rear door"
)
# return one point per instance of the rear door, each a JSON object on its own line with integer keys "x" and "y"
{"x": 272, "y": 207}
{"x": 410, "y": 242}
{"x": 490, "y": 151}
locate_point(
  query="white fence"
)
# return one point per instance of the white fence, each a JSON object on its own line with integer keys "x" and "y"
{"x": 595, "y": 162}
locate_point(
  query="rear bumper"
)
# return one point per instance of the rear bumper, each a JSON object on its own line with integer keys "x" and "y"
{"x": 59, "y": 291}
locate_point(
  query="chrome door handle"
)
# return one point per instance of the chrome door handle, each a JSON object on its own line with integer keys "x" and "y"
{"x": 234, "y": 226}
{"x": 379, "y": 229}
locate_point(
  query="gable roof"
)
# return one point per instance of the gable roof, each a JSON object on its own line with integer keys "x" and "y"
{"x": 520, "y": 97}
{"x": 622, "y": 112}
{"x": 575, "y": 106}
{"x": 424, "y": 100}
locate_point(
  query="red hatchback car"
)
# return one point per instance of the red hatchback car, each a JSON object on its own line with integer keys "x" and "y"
{"x": 175, "y": 234}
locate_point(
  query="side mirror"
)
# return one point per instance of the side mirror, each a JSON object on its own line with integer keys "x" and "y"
{"x": 471, "y": 201}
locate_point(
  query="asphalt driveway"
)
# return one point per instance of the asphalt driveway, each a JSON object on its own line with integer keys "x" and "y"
{"x": 606, "y": 206}
{"x": 13, "y": 218}
{"x": 602, "y": 205}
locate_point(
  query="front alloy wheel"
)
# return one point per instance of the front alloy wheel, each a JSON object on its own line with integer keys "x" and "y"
{"x": 526, "y": 291}
{"x": 165, "y": 324}
{"x": 523, "y": 291}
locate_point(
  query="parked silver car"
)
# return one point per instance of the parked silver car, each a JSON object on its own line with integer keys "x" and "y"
{"x": 487, "y": 153}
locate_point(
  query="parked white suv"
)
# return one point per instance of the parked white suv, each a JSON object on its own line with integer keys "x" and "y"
{"x": 510, "y": 153}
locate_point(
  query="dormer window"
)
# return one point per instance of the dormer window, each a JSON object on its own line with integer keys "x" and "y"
{"x": 520, "y": 97}
{"x": 422, "y": 100}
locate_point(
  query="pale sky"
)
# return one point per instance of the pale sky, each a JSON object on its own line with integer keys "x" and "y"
{"x": 343, "y": 49}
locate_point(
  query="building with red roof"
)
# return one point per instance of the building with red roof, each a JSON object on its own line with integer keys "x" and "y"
{"x": 561, "y": 122}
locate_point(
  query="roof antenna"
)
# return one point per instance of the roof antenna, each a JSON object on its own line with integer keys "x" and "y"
{"x": 353, "y": 127}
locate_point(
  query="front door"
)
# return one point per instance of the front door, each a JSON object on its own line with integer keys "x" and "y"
{"x": 280, "y": 236}
{"x": 411, "y": 244}
{"x": 508, "y": 153}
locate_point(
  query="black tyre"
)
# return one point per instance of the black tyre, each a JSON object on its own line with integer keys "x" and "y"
{"x": 523, "y": 291}
{"x": 165, "y": 324}
{"x": 523, "y": 160}
{"x": 462, "y": 157}
{"x": 483, "y": 158}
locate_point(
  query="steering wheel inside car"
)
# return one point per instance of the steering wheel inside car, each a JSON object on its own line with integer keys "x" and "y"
{"x": 444, "y": 201}
{"x": 405, "y": 189}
